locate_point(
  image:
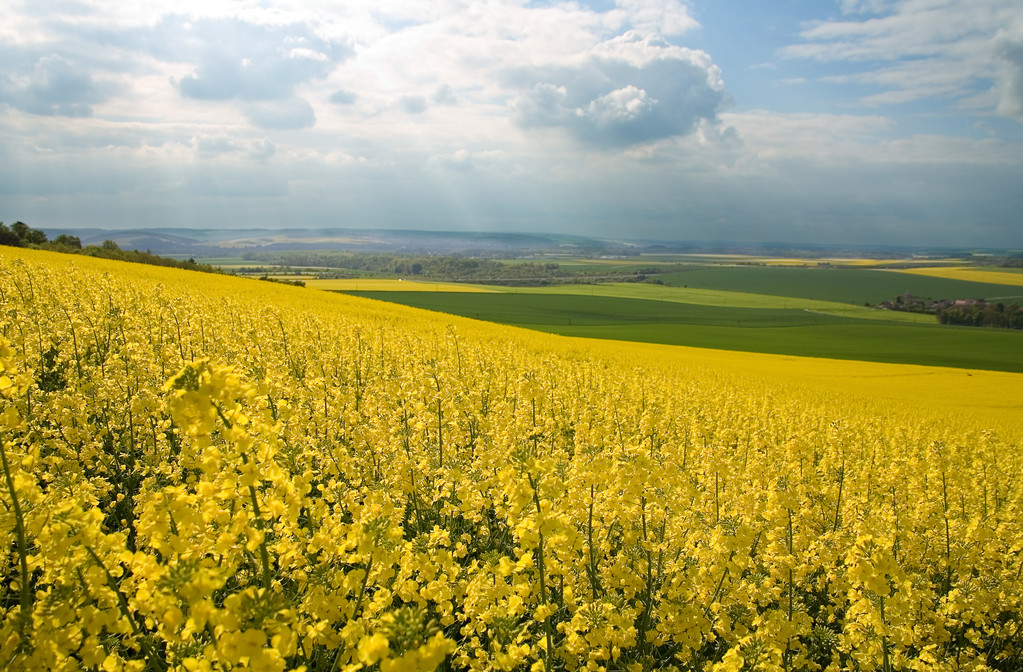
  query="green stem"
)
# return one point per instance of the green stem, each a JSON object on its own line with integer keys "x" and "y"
{"x": 838, "y": 503}
{"x": 122, "y": 604}
{"x": 548, "y": 627}
{"x": 591, "y": 567}
{"x": 644, "y": 621}
{"x": 791, "y": 588}
{"x": 355, "y": 612}
{"x": 264, "y": 556}
{"x": 948, "y": 534}
{"x": 19, "y": 523}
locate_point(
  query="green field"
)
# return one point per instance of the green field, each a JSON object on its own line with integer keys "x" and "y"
{"x": 1001, "y": 269}
{"x": 844, "y": 285}
{"x": 718, "y": 297}
{"x": 771, "y": 330}
{"x": 958, "y": 347}
{"x": 534, "y": 310}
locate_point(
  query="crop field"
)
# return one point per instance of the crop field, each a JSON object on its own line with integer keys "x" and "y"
{"x": 984, "y": 275}
{"x": 855, "y": 286}
{"x": 779, "y": 331}
{"x": 391, "y": 285}
{"x": 534, "y": 309}
{"x": 203, "y": 472}
{"x": 223, "y": 262}
{"x": 767, "y": 260}
{"x": 718, "y": 297}
{"x": 962, "y": 348}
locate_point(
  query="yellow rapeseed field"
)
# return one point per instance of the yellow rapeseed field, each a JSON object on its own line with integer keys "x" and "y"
{"x": 813, "y": 261}
{"x": 971, "y": 274}
{"x": 210, "y": 473}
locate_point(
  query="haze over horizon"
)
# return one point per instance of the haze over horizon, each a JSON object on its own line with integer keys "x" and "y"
{"x": 889, "y": 122}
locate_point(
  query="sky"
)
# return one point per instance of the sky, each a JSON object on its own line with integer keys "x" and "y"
{"x": 859, "y": 122}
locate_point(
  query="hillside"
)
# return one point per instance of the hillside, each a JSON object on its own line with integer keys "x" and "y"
{"x": 207, "y": 472}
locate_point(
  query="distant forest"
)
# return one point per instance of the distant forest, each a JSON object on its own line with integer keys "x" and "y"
{"x": 962, "y": 312}
{"x": 446, "y": 267}
{"x": 434, "y": 267}
{"x": 982, "y": 314}
{"x": 21, "y": 234}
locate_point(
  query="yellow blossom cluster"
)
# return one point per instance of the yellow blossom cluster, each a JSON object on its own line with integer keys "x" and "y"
{"x": 206, "y": 473}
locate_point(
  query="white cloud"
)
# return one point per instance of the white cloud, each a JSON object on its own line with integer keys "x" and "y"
{"x": 631, "y": 89}
{"x": 620, "y": 106}
{"x": 864, "y": 6}
{"x": 221, "y": 146}
{"x": 922, "y": 49}
{"x": 846, "y": 139}
{"x": 412, "y": 104}
{"x": 342, "y": 97}
{"x": 261, "y": 65}
{"x": 285, "y": 114}
{"x": 445, "y": 95}
{"x": 664, "y": 17}
{"x": 1010, "y": 50}
{"x": 465, "y": 160}
{"x": 55, "y": 87}
{"x": 507, "y": 114}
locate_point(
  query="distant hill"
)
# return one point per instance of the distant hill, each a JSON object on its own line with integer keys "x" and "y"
{"x": 230, "y": 242}
{"x": 222, "y": 241}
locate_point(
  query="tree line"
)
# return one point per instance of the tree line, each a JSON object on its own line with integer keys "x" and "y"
{"x": 981, "y": 313}
{"x": 963, "y": 312}
{"x": 434, "y": 267}
{"x": 20, "y": 234}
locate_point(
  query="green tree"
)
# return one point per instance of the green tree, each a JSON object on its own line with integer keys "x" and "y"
{"x": 68, "y": 241}
{"x": 35, "y": 237}
{"x": 20, "y": 229}
{"x": 8, "y": 237}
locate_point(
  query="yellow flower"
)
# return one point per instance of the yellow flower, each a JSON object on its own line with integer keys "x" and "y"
{"x": 372, "y": 648}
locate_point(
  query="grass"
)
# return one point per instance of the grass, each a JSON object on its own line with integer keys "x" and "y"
{"x": 529, "y": 309}
{"x": 717, "y": 297}
{"x": 353, "y": 285}
{"x": 958, "y": 347}
{"x": 844, "y": 285}
{"x": 763, "y": 330}
{"x": 221, "y": 261}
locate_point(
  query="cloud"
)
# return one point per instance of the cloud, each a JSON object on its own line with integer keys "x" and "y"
{"x": 460, "y": 159}
{"x": 464, "y": 160}
{"x": 235, "y": 183}
{"x": 513, "y": 115}
{"x": 864, "y": 6}
{"x": 247, "y": 61}
{"x": 342, "y": 97}
{"x": 258, "y": 65}
{"x": 412, "y": 104}
{"x": 262, "y": 149}
{"x": 287, "y": 114}
{"x": 216, "y": 145}
{"x": 631, "y": 89}
{"x": 211, "y": 146}
{"x": 55, "y": 87}
{"x": 664, "y": 17}
{"x": 1010, "y": 103}
{"x": 922, "y": 49}
{"x": 445, "y": 95}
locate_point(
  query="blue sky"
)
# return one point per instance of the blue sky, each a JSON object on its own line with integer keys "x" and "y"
{"x": 845, "y": 121}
